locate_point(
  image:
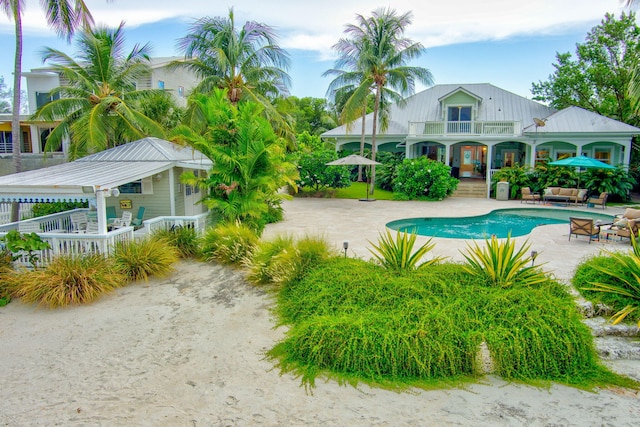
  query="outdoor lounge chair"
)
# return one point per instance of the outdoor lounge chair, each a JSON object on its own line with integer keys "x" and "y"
{"x": 583, "y": 227}
{"x": 528, "y": 196}
{"x": 124, "y": 221}
{"x": 111, "y": 214}
{"x": 79, "y": 222}
{"x": 601, "y": 200}
{"x": 626, "y": 224}
{"x": 137, "y": 221}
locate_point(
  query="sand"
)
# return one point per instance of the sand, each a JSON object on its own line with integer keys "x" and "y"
{"x": 188, "y": 350}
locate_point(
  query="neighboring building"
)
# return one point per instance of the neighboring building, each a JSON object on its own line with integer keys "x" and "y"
{"x": 40, "y": 82}
{"x": 478, "y": 128}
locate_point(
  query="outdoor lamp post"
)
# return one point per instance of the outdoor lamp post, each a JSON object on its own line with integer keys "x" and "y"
{"x": 345, "y": 246}
{"x": 534, "y": 255}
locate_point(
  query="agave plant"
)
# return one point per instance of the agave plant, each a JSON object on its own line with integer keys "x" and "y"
{"x": 501, "y": 263}
{"x": 626, "y": 285}
{"x": 397, "y": 254}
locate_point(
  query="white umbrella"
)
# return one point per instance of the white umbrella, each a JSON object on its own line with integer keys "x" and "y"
{"x": 354, "y": 160}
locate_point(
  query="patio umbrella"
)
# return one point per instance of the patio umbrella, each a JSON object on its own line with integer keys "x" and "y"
{"x": 355, "y": 160}
{"x": 581, "y": 162}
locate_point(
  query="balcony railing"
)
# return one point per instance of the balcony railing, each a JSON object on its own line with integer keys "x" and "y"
{"x": 486, "y": 128}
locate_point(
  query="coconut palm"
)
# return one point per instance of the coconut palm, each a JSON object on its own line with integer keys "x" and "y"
{"x": 65, "y": 17}
{"x": 379, "y": 52}
{"x": 245, "y": 61}
{"x": 98, "y": 107}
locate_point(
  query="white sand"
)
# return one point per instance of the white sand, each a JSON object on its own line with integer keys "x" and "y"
{"x": 188, "y": 350}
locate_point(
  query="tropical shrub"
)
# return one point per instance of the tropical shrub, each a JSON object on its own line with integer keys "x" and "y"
{"x": 283, "y": 259}
{"x": 614, "y": 279}
{"x": 67, "y": 280}
{"x": 315, "y": 174}
{"x": 617, "y": 182}
{"x": 42, "y": 209}
{"x": 554, "y": 176}
{"x": 517, "y": 176}
{"x": 184, "y": 239}
{"x": 387, "y": 171}
{"x": 354, "y": 321}
{"x": 139, "y": 259}
{"x": 5, "y": 269}
{"x": 398, "y": 255}
{"x": 424, "y": 179}
{"x": 229, "y": 243}
{"x": 500, "y": 264}
{"x": 18, "y": 243}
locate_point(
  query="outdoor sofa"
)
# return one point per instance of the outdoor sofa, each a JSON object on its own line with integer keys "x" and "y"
{"x": 625, "y": 224}
{"x": 566, "y": 195}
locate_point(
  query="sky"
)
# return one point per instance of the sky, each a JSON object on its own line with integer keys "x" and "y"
{"x": 510, "y": 44}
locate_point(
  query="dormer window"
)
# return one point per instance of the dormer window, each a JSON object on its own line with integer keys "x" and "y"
{"x": 459, "y": 114}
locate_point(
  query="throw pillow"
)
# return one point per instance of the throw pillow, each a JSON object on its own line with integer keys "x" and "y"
{"x": 622, "y": 223}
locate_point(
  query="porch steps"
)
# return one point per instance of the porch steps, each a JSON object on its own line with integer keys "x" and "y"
{"x": 471, "y": 188}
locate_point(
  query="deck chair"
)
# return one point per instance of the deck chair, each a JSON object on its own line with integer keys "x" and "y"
{"x": 583, "y": 227}
{"x": 92, "y": 227}
{"x": 137, "y": 221}
{"x": 111, "y": 214}
{"x": 79, "y": 222}
{"x": 123, "y": 221}
{"x": 601, "y": 200}
{"x": 528, "y": 196}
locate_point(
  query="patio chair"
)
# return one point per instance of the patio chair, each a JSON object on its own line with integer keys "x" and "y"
{"x": 124, "y": 221}
{"x": 528, "y": 196}
{"x": 111, "y": 214}
{"x": 79, "y": 222}
{"x": 583, "y": 227}
{"x": 601, "y": 200}
{"x": 137, "y": 221}
{"x": 92, "y": 227}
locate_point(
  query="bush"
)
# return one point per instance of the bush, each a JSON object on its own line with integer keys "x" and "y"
{"x": 42, "y": 209}
{"x": 517, "y": 177}
{"x": 229, "y": 243}
{"x": 67, "y": 280}
{"x": 617, "y": 182}
{"x": 424, "y": 179}
{"x": 143, "y": 258}
{"x": 315, "y": 174}
{"x": 397, "y": 254}
{"x": 184, "y": 239}
{"x": 388, "y": 171}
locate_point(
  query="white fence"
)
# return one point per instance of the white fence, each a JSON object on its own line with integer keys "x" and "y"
{"x": 23, "y": 213}
{"x": 485, "y": 128}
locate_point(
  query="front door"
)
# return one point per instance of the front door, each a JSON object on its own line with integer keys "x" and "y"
{"x": 191, "y": 199}
{"x": 472, "y": 162}
{"x": 509, "y": 158}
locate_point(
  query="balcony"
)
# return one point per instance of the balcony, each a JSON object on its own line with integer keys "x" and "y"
{"x": 486, "y": 128}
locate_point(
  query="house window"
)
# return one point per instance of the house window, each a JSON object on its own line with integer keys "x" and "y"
{"x": 134, "y": 187}
{"x": 44, "y": 134}
{"x": 43, "y": 98}
{"x": 459, "y": 119}
{"x": 161, "y": 84}
{"x": 603, "y": 154}
{"x": 5, "y": 142}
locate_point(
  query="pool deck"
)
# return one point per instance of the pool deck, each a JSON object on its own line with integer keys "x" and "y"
{"x": 360, "y": 222}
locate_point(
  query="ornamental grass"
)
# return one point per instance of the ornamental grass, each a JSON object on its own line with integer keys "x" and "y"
{"x": 354, "y": 321}
{"x": 140, "y": 259}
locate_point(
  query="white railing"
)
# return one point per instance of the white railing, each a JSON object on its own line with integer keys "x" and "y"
{"x": 24, "y": 212}
{"x": 484, "y": 128}
{"x": 56, "y": 231}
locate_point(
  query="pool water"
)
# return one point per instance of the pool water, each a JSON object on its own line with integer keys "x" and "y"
{"x": 500, "y": 222}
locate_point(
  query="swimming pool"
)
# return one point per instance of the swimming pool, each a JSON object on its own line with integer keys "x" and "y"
{"x": 501, "y": 222}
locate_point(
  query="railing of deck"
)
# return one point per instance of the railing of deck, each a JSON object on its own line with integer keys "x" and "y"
{"x": 199, "y": 222}
{"x": 24, "y": 212}
{"x": 483, "y": 128}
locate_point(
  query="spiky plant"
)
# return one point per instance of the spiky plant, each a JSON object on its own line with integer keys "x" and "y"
{"x": 229, "y": 243}
{"x": 626, "y": 285}
{"x": 501, "y": 264}
{"x": 397, "y": 254}
{"x": 265, "y": 263}
{"x": 143, "y": 258}
{"x": 67, "y": 280}
{"x": 184, "y": 239}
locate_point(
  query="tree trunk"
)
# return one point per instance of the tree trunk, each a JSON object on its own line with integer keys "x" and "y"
{"x": 364, "y": 115}
{"x": 16, "y": 139}
{"x": 376, "y": 107}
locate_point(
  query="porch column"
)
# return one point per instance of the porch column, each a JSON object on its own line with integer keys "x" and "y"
{"x": 532, "y": 160}
{"x": 579, "y": 149}
{"x": 101, "y": 210}
{"x": 172, "y": 193}
{"x": 489, "y": 160}
{"x": 447, "y": 154}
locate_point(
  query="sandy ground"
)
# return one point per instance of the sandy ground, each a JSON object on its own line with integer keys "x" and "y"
{"x": 188, "y": 350}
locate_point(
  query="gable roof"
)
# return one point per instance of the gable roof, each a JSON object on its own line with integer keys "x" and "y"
{"x": 497, "y": 104}
{"x": 111, "y": 168}
{"x": 578, "y": 120}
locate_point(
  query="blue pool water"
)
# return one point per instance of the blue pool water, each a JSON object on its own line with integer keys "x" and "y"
{"x": 501, "y": 222}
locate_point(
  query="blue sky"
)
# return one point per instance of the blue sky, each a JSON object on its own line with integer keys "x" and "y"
{"x": 506, "y": 43}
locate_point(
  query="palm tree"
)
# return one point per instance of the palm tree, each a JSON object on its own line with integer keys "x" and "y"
{"x": 98, "y": 107}
{"x": 380, "y": 52}
{"x": 65, "y": 17}
{"x": 246, "y": 61}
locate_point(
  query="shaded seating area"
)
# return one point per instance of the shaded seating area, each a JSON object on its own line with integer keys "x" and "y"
{"x": 601, "y": 200}
{"x": 528, "y": 196}
{"x": 625, "y": 225}
{"x": 583, "y": 227}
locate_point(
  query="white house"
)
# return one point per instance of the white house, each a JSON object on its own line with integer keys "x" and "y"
{"x": 478, "y": 128}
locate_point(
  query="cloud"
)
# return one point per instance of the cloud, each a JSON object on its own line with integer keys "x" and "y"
{"x": 317, "y": 26}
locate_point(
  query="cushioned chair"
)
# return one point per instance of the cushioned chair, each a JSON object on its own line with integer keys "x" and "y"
{"x": 583, "y": 227}
{"x": 137, "y": 221}
{"x": 601, "y": 200}
{"x": 111, "y": 214}
{"x": 528, "y": 196}
{"x": 627, "y": 223}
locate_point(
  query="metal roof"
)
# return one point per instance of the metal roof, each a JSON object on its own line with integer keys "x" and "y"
{"x": 107, "y": 169}
{"x": 579, "y": 120}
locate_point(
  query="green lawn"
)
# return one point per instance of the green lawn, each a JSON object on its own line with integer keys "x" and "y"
{"x": 357, "y": 190}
